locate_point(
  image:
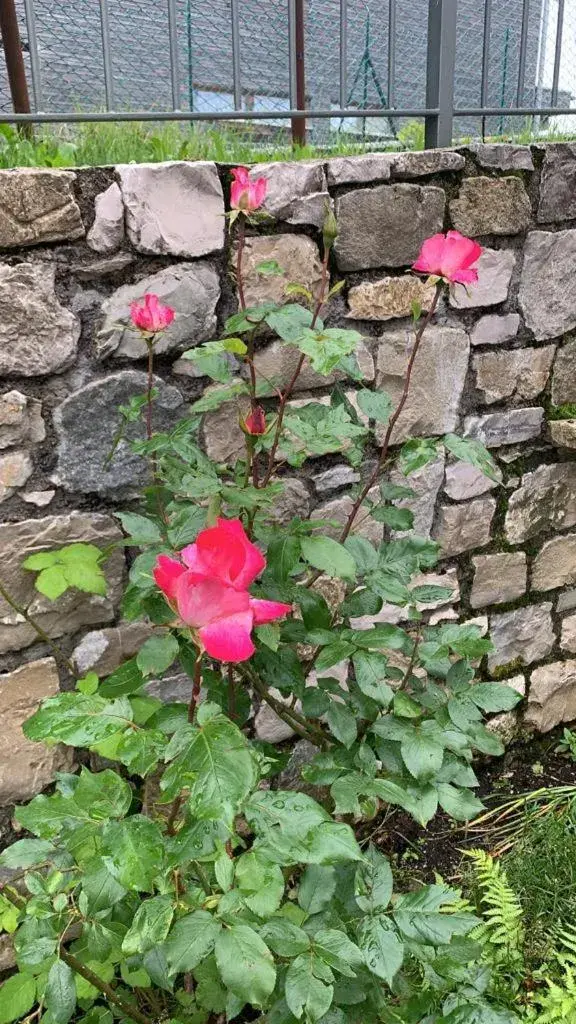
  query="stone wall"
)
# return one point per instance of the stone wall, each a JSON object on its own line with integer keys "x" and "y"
{"x": 498, "y": 365}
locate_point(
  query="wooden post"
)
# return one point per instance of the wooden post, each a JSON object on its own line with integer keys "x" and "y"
{"x": 15, "y": 62}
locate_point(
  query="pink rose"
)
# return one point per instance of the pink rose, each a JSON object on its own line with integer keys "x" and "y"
{"x": 449, "y": 256}
{"x": 246, "y": 195}
{"x": 209, "y": 590}
{"x": 151, "y": 315}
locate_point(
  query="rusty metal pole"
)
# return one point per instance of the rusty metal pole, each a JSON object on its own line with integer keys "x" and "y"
{"x": 14, "y": 61}
{"x": 299, "y": 123}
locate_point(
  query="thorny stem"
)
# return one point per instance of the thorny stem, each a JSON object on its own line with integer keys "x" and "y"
{"x": 231, "y": 693}
{"x": 291, "y": 383}
{"x": 149, "y": 387}
{"x": 296, "y": 721}
{"x": 59, "y": 653}
{"x": 83, "y": 971}
{"x": 196, "y": 684}
{"x": 239, "y": 255}
{"x": 103, "y": 986}
{"x": 174, "y": 812}
{"x": 393, "y": 419}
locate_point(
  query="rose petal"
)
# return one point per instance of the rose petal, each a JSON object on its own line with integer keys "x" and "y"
{"x": 201, "y": 601}
{"x": 167, "y": 572}
{"x": 267, "y": 611}
{"x": 229, "y": 638}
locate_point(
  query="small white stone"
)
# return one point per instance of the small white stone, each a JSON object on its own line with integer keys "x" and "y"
{"x": 107, "y": 231}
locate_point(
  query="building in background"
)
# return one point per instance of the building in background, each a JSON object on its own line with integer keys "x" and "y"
{"x": 72, "y": 77}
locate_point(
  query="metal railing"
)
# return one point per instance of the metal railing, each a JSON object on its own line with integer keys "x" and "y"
{"x": 516, "y": 45}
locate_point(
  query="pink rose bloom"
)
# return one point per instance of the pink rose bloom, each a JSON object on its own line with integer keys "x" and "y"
{"x": 449, "y": 256}
{"x": 151, "y": 315}
{"x": 209, "y": 590}
{"x": 246, "y": 195}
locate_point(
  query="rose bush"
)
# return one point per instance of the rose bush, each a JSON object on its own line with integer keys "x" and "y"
{"x": 187, "y": 886}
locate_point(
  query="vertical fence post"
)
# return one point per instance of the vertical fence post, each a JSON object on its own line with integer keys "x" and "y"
{"x": 440, "y": 64}
{"x": 297, "y": 70}
{"x": 14, "y": 61}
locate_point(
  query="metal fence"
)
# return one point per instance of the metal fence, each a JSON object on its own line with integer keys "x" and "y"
{"x": 361, "y": 67}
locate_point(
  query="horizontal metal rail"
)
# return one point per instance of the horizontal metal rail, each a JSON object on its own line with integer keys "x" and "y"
{"x": 194, "y": 115}
{"x": 438, "y": 110}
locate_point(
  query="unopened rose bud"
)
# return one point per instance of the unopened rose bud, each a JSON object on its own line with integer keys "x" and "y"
{"x": 255, "y": 422}
{"x": 329, "y": 228}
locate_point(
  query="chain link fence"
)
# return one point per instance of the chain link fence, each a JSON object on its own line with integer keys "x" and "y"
{"x": 236, "y": 55}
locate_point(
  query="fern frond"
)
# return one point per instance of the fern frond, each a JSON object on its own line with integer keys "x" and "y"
{"x": 501, "y": 908}
{"x": 559, "y": 1002}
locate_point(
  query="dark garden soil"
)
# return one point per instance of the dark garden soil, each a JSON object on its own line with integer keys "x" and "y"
{"x": 421, "y": 854}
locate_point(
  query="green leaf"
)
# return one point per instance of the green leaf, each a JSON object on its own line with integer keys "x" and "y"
{"x": 417, "y": 452}
{"x": 216, "y": 763}
{"x": 333, "y": 654}
{"x": 126, "y": 679}
{"x": 247, "y": 319}
{"x": 216, "y": 396}
{"x": 325, "y": 348}
{"x": 185, "y": 525}
{"x": 150, "y": 926}
{"x": 210, "y": 993}
{"x": 363, "y": 552}
{"x": 377, "y": 405}
{"x": 191, "y": 940}
{"x": 395, "y": 518}
{"x": 331, "y": 843}
{"x": 458, "y": 803}
{"x": 28, "y": 853}
{"x": 370, "y": 671}
{"x": 78, "y": 719}
{"x": 140, "y": 529}
{"x": 493, "y": 697}
{"x": 101, "y": 888}
{"x": 157, "y": 654}
{"x": 289, "y": 321}
{"x": 305, "y": 994}
{"x": 103, "y": 794}
{"x": 260, "y": 882}
{"x": 383, "y": 951}
{"x": 60, "y": 992}
{"x": 284, "y": 937}
{"x": 245, "y": 963}
{"x": 342, "y": 723}
{"x": 373, "y": 882}
{"x": 329, "y": 556}
{"x": 269, "y": 268}
{"x": 468, "y": 450}
{"x": 282, "y": 556}
{"x": 52, "y": 582}
{"x": 422, "y": 755}
{"x": 428, "y": 593}
{"x": 422, "y": 917}
{"x": 134, "y": 851}
{"x": 338, "y": 951}
{"x": 316, "y": 889}
{"x": 17, "y": 996}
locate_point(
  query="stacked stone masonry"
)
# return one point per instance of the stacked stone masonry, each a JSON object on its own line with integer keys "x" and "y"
{"x": 499, "y": 364}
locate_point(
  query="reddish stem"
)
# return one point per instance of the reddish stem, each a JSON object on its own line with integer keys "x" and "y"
{"x": 290, "y": 387}
{"x": 149, "y": 389}
{"x": 196, "y": 684}
{"x": 393, "y": 419}
{"x": 239, "y": 255}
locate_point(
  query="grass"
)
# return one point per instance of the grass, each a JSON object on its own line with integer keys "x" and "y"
{"x": 96, "y": 144}
{"x": 101, "y": 143}
{"x": 541, "y": 869}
